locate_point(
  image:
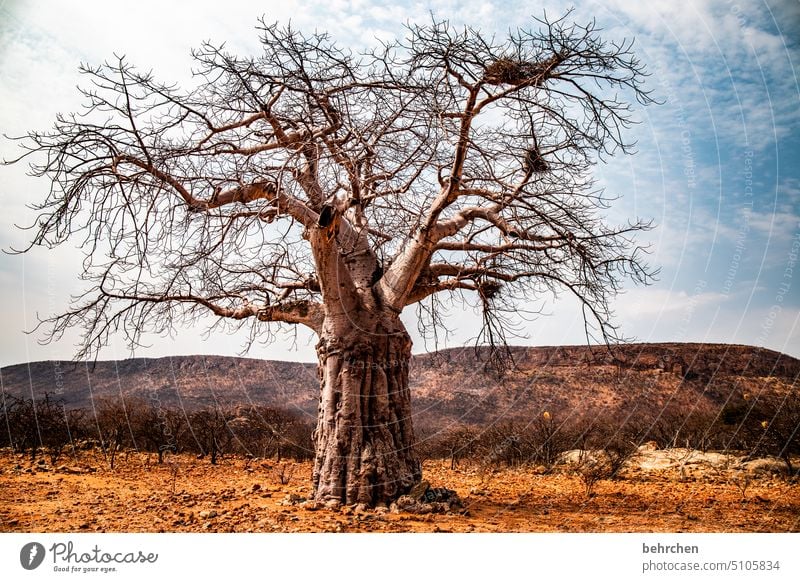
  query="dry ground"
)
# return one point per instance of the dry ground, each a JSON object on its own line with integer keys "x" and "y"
{"x": 668, "y": 491}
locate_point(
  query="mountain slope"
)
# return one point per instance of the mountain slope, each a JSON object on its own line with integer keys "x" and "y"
{"x": 450, "y": 386}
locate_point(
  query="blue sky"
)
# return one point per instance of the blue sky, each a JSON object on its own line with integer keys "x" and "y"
{"x": 717, "y": 167}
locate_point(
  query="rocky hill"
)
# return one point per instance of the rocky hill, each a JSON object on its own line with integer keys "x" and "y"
{"x": 633, "y": 380}
{"x": 451, "y": 386}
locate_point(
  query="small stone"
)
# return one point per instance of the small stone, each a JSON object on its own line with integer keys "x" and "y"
{"x": 293, "y": 499}
{"x": 333, "y": 504}
{"x": 418, "y": 490}
{"x": 255, "y": 487}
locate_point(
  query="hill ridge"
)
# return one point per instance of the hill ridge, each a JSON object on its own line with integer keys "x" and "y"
{"x": 447, "y": 385}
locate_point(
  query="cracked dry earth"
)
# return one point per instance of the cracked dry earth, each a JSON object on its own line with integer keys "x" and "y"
{"x": 661, "y": 493}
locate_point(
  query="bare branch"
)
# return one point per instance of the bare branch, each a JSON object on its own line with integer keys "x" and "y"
{"x": 311, "y": 185}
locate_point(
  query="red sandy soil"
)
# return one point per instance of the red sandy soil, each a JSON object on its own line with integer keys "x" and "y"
{"x": 191, "y": 495}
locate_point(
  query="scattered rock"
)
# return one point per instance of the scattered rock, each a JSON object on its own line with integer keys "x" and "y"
{"x": 580, "y": 457}
{"x": 442, "y": 495}
{"x": 418, "y": 490}
{"x": 255, "y": 487}
{"x": 767, "y": 466}
{"x": 72, "y": 470}
{"x": 293, "y": 499}
{"x": 411, "y": 505}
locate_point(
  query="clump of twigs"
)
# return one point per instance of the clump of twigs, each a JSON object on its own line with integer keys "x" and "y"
{"x": 283, "y": 473}
{"x": 509, "y": 71}
{"x": 174, "y": 469}
{"x": 742, "y": 482}
{"x": 534, "y": 161}
{"x": 592, "y": 468}
{"x": 489, "y": 289}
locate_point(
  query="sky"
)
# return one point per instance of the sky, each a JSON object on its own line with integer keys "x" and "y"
{"x": 717, "y": 163}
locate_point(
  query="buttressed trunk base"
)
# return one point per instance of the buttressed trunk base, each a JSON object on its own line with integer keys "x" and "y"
{"x": 364, "y": 437}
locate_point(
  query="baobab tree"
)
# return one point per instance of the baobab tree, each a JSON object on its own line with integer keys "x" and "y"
{"x": 314, "y": 186}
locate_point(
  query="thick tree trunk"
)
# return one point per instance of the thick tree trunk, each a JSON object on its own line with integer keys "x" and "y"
{"x": 364, "y": 437}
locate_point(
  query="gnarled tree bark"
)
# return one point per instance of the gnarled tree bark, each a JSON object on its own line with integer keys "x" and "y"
{"x": 364, "y": 437}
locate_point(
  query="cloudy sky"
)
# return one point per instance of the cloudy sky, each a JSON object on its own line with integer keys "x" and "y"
{"x": 717, "y": 167}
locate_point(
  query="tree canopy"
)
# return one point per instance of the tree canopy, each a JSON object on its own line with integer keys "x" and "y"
{"x": 307, "y": 182}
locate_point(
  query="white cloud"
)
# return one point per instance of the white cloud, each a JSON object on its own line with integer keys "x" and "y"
{"x": 729, "y": 63}
{"x": 649, "y": 302}
{"x": 656, "y": 315}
